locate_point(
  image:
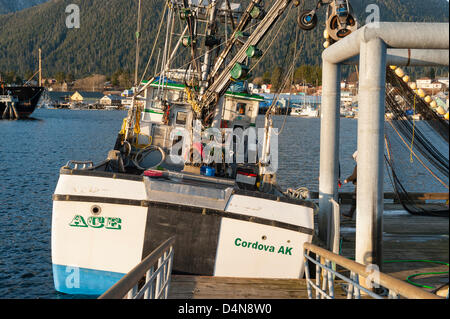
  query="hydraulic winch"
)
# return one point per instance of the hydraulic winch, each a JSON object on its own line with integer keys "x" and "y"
{"x": 340, "y": 21}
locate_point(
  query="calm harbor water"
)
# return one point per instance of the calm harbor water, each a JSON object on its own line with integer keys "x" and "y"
{"x": 32, "y": 152}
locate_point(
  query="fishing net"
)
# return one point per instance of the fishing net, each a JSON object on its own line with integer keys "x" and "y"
{"x": 416, "y": 150}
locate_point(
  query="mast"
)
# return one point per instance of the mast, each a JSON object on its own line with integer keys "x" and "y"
{"x": 138, "y": 35}
{"x": 210, "y": 41}
{"x": 40, "y": 67}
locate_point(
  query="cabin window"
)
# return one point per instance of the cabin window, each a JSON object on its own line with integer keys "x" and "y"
{"x": 240, "y": 108}
{"x": 181, "y": 118}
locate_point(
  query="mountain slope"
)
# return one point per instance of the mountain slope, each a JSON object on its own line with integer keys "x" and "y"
{"x": 105, "y": 41}
{"x": 7, "y": 6}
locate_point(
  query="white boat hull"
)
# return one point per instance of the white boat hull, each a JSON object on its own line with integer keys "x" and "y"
{"x": 102, "y": 226}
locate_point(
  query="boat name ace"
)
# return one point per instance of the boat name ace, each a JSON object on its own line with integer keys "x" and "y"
{"x": 97, "y": 222}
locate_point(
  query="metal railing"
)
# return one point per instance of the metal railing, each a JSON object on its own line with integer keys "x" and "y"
{"x": 144, "y": 281}
{"x": 326, "y": 263}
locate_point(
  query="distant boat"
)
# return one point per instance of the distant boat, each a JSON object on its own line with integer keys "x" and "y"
{"x": 24, "y": 100}
{"x": 304, "y": 111}
{"x": 111, "y": 107}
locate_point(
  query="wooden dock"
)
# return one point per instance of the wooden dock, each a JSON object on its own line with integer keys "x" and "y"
{"x": 204, "y": 287}
{"x": 406, "y": 237}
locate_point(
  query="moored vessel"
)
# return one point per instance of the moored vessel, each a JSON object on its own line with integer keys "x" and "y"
{"x": 189, "y": 161}
{"x": 18, "y": 102}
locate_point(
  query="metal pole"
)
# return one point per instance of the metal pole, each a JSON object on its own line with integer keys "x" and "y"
{"x": 329, "y": 144}
{"x": 40, "y": 67}
{"x": 411, "y": 57}
{"x": 138, "y": 35}
{"x": 369, "y": 211}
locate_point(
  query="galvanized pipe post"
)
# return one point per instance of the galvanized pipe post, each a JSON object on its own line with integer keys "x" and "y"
{"x": 329, "y": 145}
{"x": 371, "y": 99}
{"x": 409, "y": 44}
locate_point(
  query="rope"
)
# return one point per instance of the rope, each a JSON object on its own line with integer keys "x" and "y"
{"x": 191, "y": 100}
{"x": 298, "y": 193}
{"x": 291, "y": 77}
{"x": 156, "y": 41}
{"x": 414, "y": 130}
{"x": 408, "y": 279}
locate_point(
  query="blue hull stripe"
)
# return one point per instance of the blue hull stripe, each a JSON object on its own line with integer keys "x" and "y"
{"x": 83, "y": 281}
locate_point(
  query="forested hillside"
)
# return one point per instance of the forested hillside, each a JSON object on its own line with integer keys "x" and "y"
{"x": 105, "y": 41}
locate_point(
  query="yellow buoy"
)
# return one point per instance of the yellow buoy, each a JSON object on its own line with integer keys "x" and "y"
{"x": 406, "y": 79}
{"x": 428, "y": 99}
{"x": 421, "y": 93}
{"x": 325, "y": 34}
{"x": 446, "y": 116}
{"x": 433, "y": 104}
{"x": 440, "y": 110}
{"x": 326, "y": 44}
{"x": 399, "y": 72}
{"x": 393, "y": 67}
{"x": 413, "y": 85}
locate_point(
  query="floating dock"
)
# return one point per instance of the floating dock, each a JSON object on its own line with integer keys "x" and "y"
{"x": 204, "y": 287}
{"x": 405, "y": 238}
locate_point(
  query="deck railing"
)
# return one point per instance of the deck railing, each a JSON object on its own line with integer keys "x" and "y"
{"x": 324, "y": 284}
{"x": 148, "y": 280}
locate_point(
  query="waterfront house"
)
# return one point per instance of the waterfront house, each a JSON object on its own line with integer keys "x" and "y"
{"x": 86, "y": 97}
{"x": 58, "y": 99}
{"x": 112, "y": 100}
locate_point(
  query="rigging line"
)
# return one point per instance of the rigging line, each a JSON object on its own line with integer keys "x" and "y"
{"x": 31, "y": 77}
{"x": 154, "y": 43}
{"x": 291, "y": 73}
{"x": 273, "y": 40}
{"x": 290, "y": 92}
{"x": 413, "y": 130}
{"x": 423, "y": 164}
{"x": 291, "y": 70}
{"x": 283, "y": 84}
{"x": 166, "y": 49}
{"x": 389, "y": 166}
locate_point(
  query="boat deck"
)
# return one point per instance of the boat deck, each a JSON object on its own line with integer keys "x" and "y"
{"x": 406, "y": 237}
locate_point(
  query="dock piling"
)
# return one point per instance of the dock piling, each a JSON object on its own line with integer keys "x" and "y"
{"x": 369, "y": 211}
{"x": 377, "y": 45}
{"x": 329, "y": 145}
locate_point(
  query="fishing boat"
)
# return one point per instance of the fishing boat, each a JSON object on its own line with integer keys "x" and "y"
{"x": 304, "y": 111}
{"x": 189, "y": 161}
{"x": 18, "y": 102}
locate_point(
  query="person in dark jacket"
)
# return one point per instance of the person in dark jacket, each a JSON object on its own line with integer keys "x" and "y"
{"x": 352, "y": 178}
